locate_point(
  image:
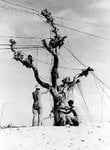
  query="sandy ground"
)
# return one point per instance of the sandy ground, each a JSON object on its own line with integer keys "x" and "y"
{"x": 84, "y": 137}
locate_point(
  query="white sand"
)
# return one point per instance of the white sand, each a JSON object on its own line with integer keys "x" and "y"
{"x": 84, "y": 137}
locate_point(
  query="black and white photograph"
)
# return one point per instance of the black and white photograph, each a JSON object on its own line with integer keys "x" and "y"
{"x": 54, "y": 74}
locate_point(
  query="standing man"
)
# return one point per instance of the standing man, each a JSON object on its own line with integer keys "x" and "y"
{"x": 37, "y": 108}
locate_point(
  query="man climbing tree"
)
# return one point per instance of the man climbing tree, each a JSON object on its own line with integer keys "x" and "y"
{"x": 58, "y": 92}
{"x": 70, "y": 114}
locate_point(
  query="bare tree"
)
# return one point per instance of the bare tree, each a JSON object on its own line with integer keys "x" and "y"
{"x": 58, "y": 92}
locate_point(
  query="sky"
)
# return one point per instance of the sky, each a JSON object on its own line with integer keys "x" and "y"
{"x": 18, "y": 82}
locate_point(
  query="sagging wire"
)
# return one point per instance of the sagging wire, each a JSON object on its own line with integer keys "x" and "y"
{"x": 83, "y": 22}
{"x": 81, "y": 93}
{"x": 102, "y": 88}
{"x": 19, "y": 5}
{"x": 5, "y": 44}
{"x": 101, "y": 81}
{"x": 100, "y": 96}
{"x": 76, "y": 30}
{"x": 25, "y": 48}
{"x": 18, "y": 37}
{"x": 39, "y": 44}
{"x": 71, "y": 48}
{"x": 83, "y": 32}
{"x": 34, "y": 9}
{"x": 75, "y": 57}
{"x": 98, "y": 83}
{"x": 39, "y": 59}
{"x": 17, "y": 10}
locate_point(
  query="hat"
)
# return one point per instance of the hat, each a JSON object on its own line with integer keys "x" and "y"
{"x": 37, "y": 88}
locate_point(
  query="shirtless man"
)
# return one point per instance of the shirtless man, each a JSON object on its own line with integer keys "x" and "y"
{"x": 37, "y": 108}
{"x": 71, "y": 115}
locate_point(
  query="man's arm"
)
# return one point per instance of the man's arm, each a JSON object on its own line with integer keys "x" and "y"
{"x": 68, "y": 110}
{"x": 74, "y": 112}
{"x": 65, "y": 110}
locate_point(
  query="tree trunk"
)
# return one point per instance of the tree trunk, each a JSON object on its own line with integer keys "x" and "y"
{"x": 59, "y": 117}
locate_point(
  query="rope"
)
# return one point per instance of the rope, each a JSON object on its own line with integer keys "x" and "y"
{"x": 83, "y": 22}
{"x": 102, "y": 88}
{"x": 101, "y": 97}
{"x": 69, "y": 68}
{"x": 83, "y": 32}
{"x": 17, "y": 10}
{"x": 4, "y": 44}
{"x": 102, "y": 105}
{"x": 75, "y": 57}
{"x": 76, "y": 30}
{"x": 19, "y": 37}
{"x": 20, "y": 5}
{"x": 39, "y": 44}
{"x": 21, "y": 47}
{"x": 101, "y": 81}
{"x": 67, "y": 38}
{"x": 81, "y": 93}
{"x": 71, "y": 49}
{"x": 43, "y": 61}
{"x": 34, "y": 9}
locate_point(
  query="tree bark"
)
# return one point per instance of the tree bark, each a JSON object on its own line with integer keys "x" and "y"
{"x": 59, "y": 102}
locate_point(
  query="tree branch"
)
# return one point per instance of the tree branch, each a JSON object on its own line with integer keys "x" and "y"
{"x": 54, "y": 71}
{"x": 28, "y": 63}
{"x": 43, "y": 84}
{"x": 69, "y": 84}
{"x": 73, "y": 83}
{"x": 47, "y": 47}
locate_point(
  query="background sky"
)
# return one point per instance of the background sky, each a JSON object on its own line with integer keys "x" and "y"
{"x": 17, "y": 82}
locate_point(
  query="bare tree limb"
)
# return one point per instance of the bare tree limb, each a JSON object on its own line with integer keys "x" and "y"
{"x": 54, "y": 71}
{"x": 43, "y": 84}
{"x": 47, "y": 47}
{"x": 28, "y": 62}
